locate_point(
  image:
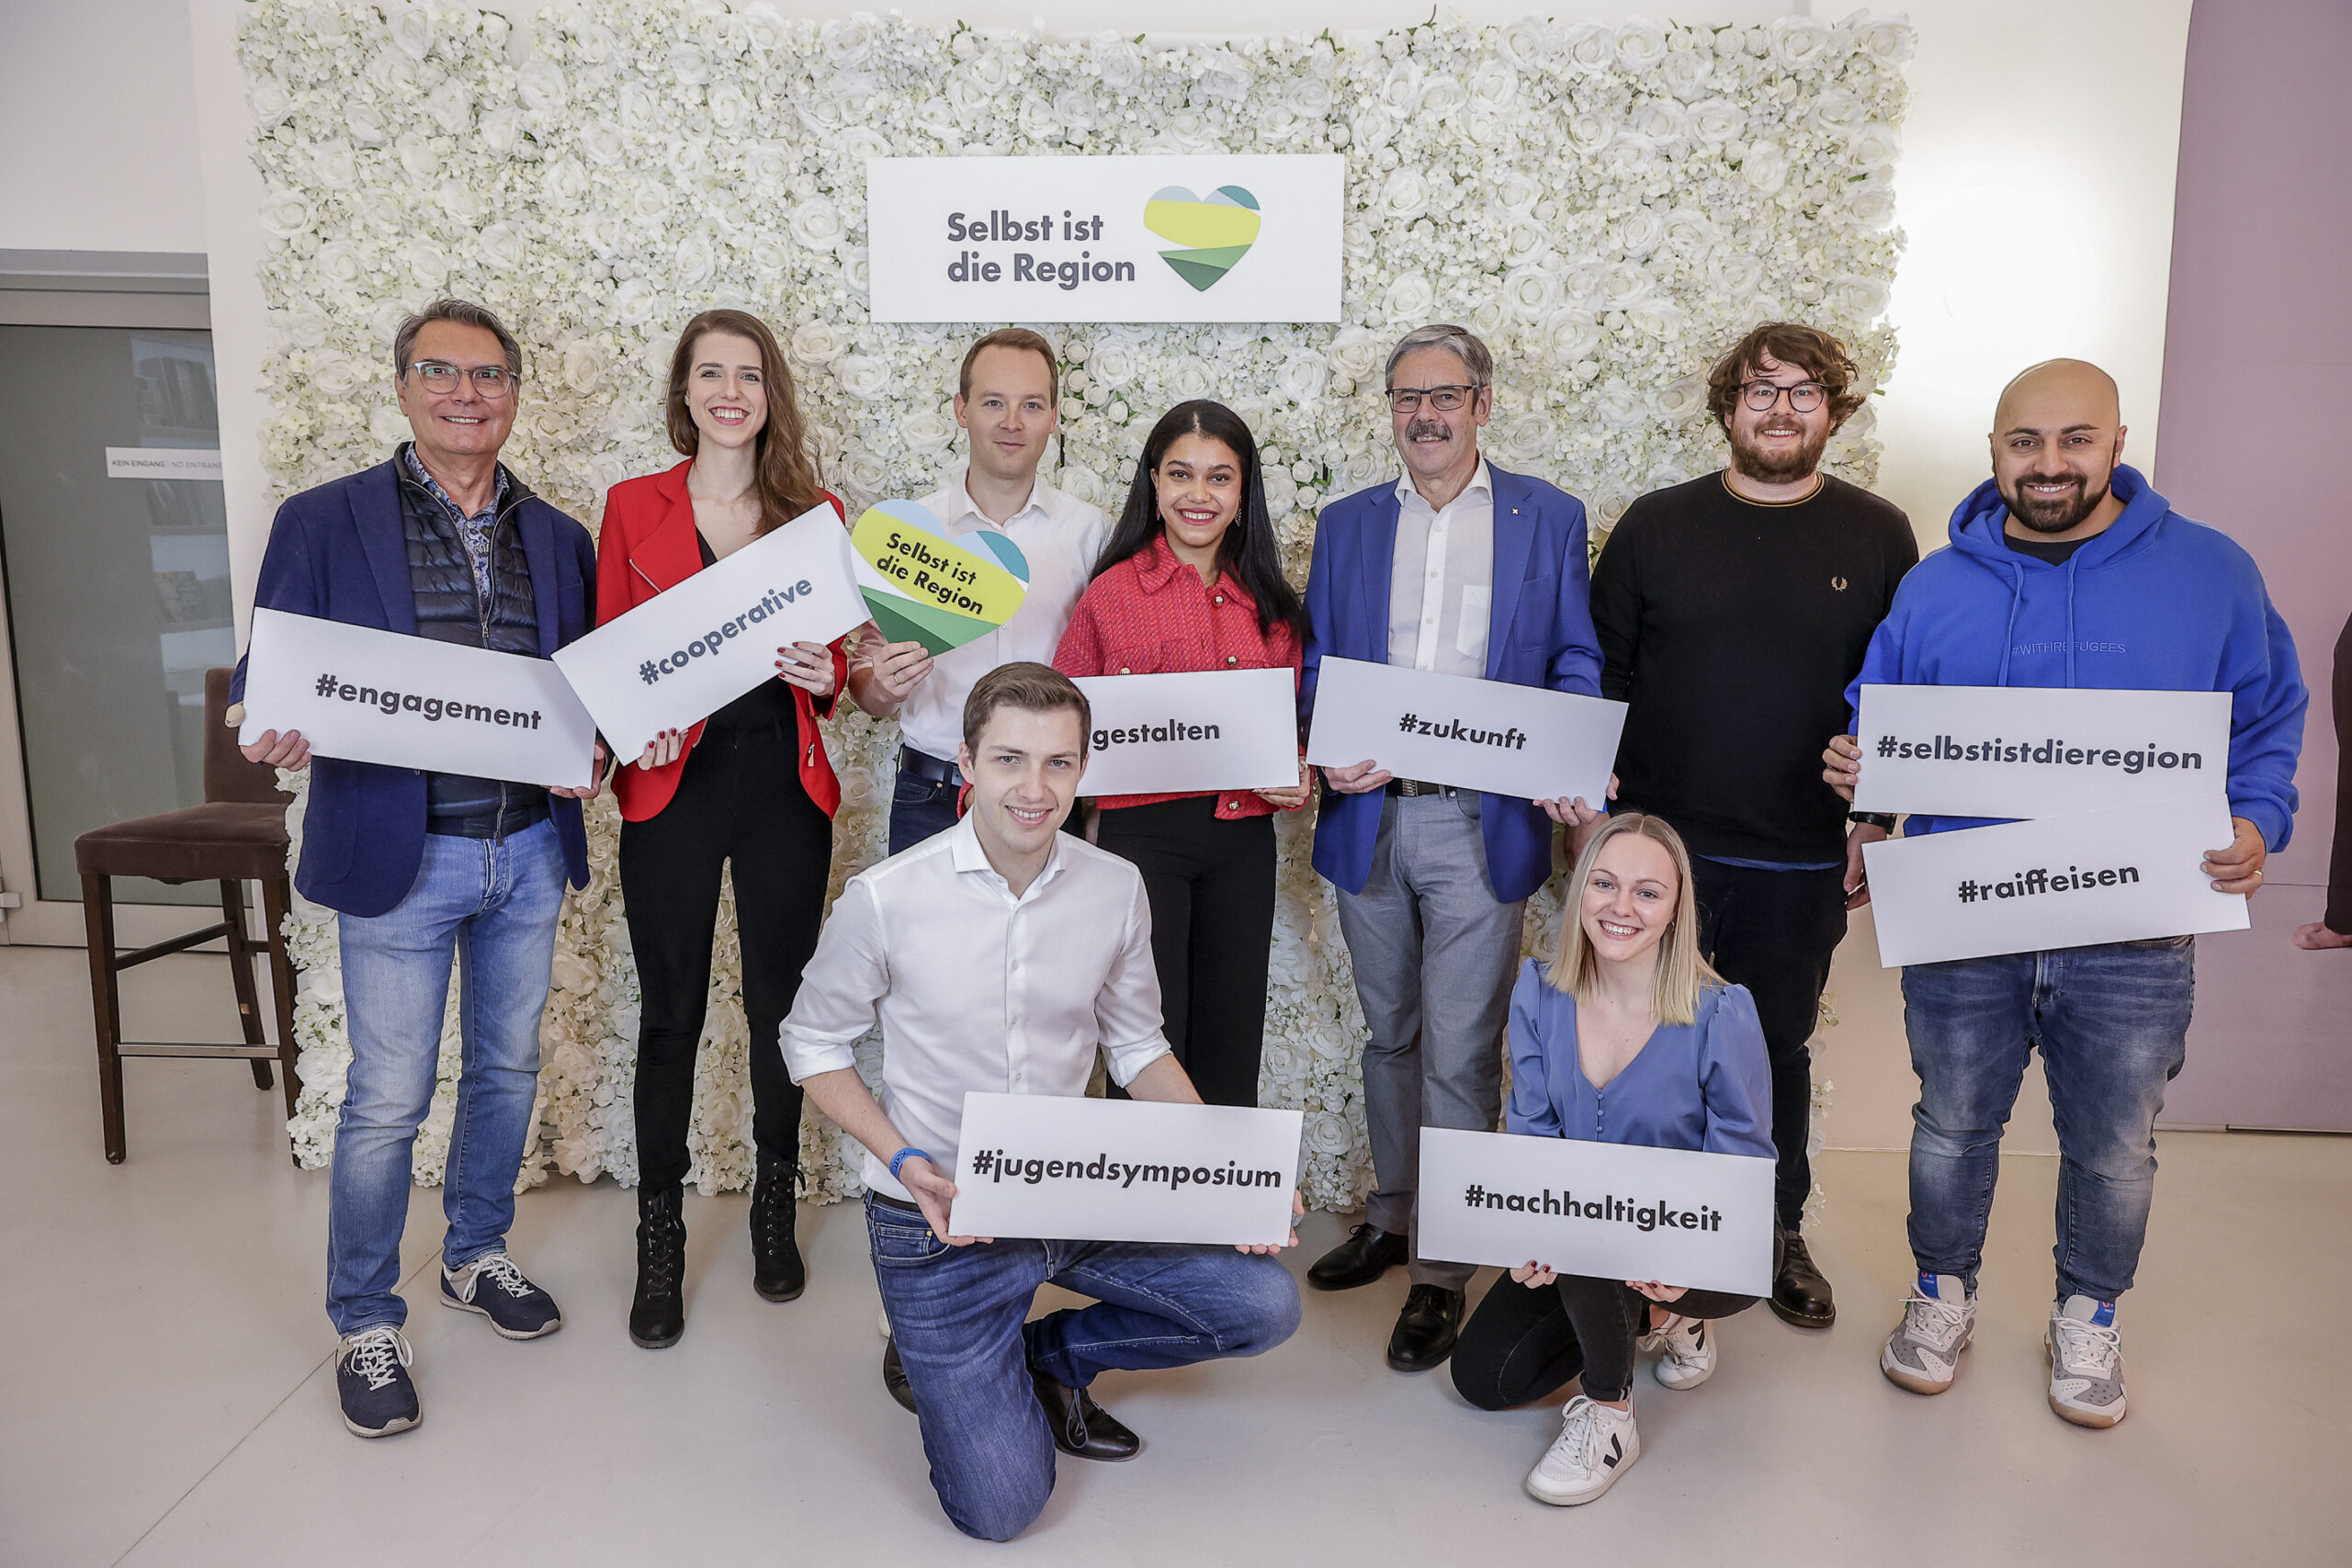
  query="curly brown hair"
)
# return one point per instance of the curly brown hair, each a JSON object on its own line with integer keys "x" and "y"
{"x": 1810, "y": 349}
{"x": 788, "y": 480}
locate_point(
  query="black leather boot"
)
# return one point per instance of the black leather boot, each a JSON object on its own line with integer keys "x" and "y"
{"x": 1800, "y": 1295}
{"x": 657, "y": 1316}
{"x": 777, "y": 1271}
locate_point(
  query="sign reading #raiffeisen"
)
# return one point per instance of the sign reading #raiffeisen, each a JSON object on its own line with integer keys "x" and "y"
{"x": 1206, "y": 237}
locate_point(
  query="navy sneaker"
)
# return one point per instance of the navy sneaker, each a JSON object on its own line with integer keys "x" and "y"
{"x": 493, "y": 1287}
{"x": 371, "y": 1379}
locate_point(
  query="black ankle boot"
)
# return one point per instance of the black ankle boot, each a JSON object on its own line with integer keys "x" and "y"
{"x": 657, "y": 1316}
{"x": 777, "y": 1271}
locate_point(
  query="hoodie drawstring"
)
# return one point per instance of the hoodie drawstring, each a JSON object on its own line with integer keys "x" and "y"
{"x": 2009, "y": 632}
{"x": 2071, "y": 562}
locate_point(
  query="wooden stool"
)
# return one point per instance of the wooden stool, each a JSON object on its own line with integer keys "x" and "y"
{"x": 237, "y": 836}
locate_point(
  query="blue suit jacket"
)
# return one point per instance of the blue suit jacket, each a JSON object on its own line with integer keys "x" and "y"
{"x": 1539, "y": 633}
{"x": 339, "y": 552}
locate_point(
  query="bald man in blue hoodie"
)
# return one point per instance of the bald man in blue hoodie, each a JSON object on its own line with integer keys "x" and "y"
{"x": 2067, "y": 570}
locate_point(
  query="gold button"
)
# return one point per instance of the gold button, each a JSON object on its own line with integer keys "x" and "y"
{"x": 1220, "y": 598}
{"x": 1125, "y": 670}
{"x": 1230, "y": 658}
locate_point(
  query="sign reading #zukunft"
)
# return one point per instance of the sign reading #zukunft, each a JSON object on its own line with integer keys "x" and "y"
{"x": 1206, "y": 237}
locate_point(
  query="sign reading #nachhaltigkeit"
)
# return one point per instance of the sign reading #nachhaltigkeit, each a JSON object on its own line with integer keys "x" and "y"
{"x": 1193, "y": 237}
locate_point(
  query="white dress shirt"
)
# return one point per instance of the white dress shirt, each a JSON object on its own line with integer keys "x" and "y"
{"x": 1441, "y": 588}
{"x": 1060, "y": 539}
{"x": 976, "y": 990}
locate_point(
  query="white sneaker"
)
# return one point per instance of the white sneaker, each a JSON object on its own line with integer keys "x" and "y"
{"x": 1686, "y": 1352}
{"x": 2086, "y": 1362}
{"x": 1923, "y": 1353}
{"x": 1597, "y": 1444}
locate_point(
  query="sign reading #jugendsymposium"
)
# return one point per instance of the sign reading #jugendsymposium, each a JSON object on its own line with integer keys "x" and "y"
{"x": 1206, "y": 237}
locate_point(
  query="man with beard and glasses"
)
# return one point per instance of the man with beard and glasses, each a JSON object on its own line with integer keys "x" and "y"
{"x": 1733, "y": 610}
{"x": 2067, "y": 570}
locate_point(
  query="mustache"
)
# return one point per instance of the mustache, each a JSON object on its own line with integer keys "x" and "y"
{"x": 1421, "y": 427}
{"x": 2073, "y": 479}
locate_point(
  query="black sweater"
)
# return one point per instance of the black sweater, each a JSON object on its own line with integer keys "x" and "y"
{"x": 1733, "y": 628}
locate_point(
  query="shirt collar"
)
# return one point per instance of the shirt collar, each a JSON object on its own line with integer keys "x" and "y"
{"x": 1156, "y": 566}
{"x": 968, "y": 511}
{"x": 965, "y": 852}
{"x": 1480, "y": 481}
{"x": 424, "y": 476}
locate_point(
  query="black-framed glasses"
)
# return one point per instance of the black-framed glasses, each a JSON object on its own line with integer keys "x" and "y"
{"x": 441, "y": 378}
{"x": 1804, "y": 397}
{"x": 1445, "y": 400}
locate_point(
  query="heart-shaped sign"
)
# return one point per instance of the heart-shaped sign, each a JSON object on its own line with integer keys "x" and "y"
{"x": 922, "y": 586}
{"x": 1215, "y": 230}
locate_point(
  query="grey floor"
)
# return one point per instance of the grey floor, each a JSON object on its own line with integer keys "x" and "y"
{"x": 165, "y": 1397}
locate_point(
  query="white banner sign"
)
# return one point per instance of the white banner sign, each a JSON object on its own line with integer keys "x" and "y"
{"x": 689, "y": 652}
{"x": 1609, "y": 1211}
{"x": 408, "y": 702}
{"x": 2123, "y": 875}
{"x": 1071, "y": 1169}
{"x": 1493, "y": 736}
{"x": 163, "y": 463}
{"x": 1219, "y": 729}
{"x": 1198, "y": 237}
{"x": 2037, "y": 750}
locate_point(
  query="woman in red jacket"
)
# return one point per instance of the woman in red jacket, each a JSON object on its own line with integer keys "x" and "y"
{"x": 750, "y": 786}
{"x": 1189, "y": 581}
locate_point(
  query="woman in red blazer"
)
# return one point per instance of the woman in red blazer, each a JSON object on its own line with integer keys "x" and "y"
{"x": 749, "y": 787}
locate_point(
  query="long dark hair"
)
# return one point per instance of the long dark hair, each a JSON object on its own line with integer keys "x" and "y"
{"x": 1248, "y": 548}
{"x": 785, "y": 470}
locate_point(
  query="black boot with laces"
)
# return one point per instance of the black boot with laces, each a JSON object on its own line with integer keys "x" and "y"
{"x": 657, "y": 1316}
{"x": 777, "y": 1271}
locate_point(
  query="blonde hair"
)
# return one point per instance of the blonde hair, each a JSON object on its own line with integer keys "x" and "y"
{"x": 1682, "y": 973}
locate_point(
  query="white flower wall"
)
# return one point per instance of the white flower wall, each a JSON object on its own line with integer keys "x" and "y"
{"x": 1609, "y": 207}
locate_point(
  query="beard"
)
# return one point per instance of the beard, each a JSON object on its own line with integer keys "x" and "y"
{"x": 1783, "y": 466}
{"x": 2053, "y": 515}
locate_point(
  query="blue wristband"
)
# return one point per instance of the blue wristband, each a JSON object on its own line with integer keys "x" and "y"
{"x": 903, "y": 1155}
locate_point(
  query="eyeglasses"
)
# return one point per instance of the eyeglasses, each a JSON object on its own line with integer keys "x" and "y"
{"x": 1445, "y": 400}
{"x": 490, "y": 381}
{"x": 1804, "y": 397}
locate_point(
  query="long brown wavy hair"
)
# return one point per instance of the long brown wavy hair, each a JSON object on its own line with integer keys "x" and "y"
{"x": 788, "y": 476}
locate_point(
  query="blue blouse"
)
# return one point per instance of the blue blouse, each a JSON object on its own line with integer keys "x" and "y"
{"x": 1705, "y": 1086}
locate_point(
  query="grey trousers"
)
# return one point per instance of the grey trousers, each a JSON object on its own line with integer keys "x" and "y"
{"x": 1435, "y": 954}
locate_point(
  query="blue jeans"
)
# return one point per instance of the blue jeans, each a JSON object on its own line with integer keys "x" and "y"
{"x": 2113, "y": 1024}
{"x": 492, "y": 904}
{"x": 955, "y": 1313}
{"x": 920, "y": 808}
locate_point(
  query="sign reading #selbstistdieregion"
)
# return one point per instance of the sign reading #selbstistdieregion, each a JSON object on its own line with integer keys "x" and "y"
{"x": 365, "y": 695}
{"x": 2015, "y": 751}
{"x": 1494, "y": 736}
{"x": 1076, "y": 1169}
{"x": 1611, "y": 1211}
{"x": 1215, "y": 730}
{"x": 1196, "y": 237}
{"x": 2128, "y": 873}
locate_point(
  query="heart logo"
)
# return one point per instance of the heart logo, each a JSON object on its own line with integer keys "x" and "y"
{"x": 922, "y": 586}
{"x": 1215, "y": 231}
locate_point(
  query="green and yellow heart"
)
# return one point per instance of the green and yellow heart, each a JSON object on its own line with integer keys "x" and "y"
{"x": 1213, "y": 231}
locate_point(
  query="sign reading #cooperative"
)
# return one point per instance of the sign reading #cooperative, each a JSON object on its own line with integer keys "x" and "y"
{"x": 1206, "y": 237}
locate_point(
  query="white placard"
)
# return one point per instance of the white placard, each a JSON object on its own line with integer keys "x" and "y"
{"x": 163, "y": 463}
{"x": 689, "y": 652}
{"x": 1218, "y": 729}
{"x": 1197, "y": 237}
{"x": 2037, "y": 750}
{"x": 409, "y": 701}
{"x": 1609, "y": 1211}
{"x": 1494, "y": 736}
{"x": 1072, "y": 1169}
{"x": 2124, "y": 875}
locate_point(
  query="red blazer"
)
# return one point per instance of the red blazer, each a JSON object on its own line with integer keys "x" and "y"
{"x": 648, "y": 544}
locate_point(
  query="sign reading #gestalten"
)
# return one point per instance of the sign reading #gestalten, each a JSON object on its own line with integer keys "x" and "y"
{"x": 1208, "y": 237}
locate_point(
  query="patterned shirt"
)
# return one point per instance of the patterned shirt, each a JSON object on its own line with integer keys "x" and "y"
{"x": 475, "y": 529}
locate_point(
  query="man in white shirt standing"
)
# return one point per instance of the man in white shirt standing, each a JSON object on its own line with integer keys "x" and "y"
{"x": 998, "y": 956}
{"x": 1008, "y": 400}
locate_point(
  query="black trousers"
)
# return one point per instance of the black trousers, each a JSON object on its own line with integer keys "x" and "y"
{"x": 1523, "y": 1343}
{"x": 1211, "y": 882}
{"x": 741, "y": 804}
{"x": 1774, "y": 932}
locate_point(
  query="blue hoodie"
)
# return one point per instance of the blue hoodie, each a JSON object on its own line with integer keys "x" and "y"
{"x": 2157, "y": 603}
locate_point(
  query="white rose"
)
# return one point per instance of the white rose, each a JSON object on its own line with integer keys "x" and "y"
{"x": 1584, "y": 280}
{"x": 1112, "y": 364}
{"x": 1839, "y": 109}
{"x": 1889, "y": 43}
{"x": 1309, "y": 98}
{"x": 334, "y": 165}
{"x": 847, "y": 44}
{"x": 267, "y": 98}
{"x": 927, "y": 432}
{"x": 729, "y": 107}
{"x": 816, "y": 223}
{"x": 1189, "y": 379}
{"x": 335, "y": 375}
{"x": 1641, "y": 46}
{"x": 461, "y": 202}
{"x": 541, "y": 86}
{"x": 1404, "y": 195}
{"x": 696, "y": 261}
{"x": 1081, "y": 483}
{"x": 388, "y": 425}
{"x": 1526, "y": 440}
{"x": 1874, "y": 145}
{"x": 649, "y": 201}
{"x": 1658, "y": 316}
{"x": 1118, "y": 62}
{"x": 1855, "y": 298}
{"x": 501, "y": 245}
{"x": 284, "y": 213}
{"x": 818, "y": 343}
{"x": 863, "y": 473}
{"x": 1623, "y": 284}
{"x": 1282, "y": 493}
{"x": 418, "y": 154}
{"x": 1766, "y": 167}
{"x": 1304, "y": 375}
{"x": 1590, "y": 48}
{"x": 1525, "y": 243}
{"x": 1685, "y": 72}
{"x": 1589, "y": 132}
{"x": 862, "y": 376}
{"x": 1526, "y": 42}
{"x": 1872, "y": 206}
{"x": 1797, "y": 43}
{"x": 1515, "y": 192}
{"x": 340, "y": 264}
{"x": 565, "y": 182}
{"x": 640, "y": 106}
{"x": 634, "y": 301}
{"x": 604, "y": 142}
{"x": 1530, "y": 292}
{"x": 1224, "y": 77}
{"x": 1716, "y": 121}
{"x": 1684, "y": 398}
{"x": 412, "y": 30}
{"x": 305, "y": 326}
{"x": 690, "y": 65}
{"x": 427, "y": 261}
{"x": 1610, "y": 501}
{"x": 1659, "y": 121}
{"x": 580, "y": 365}
{"x": 1734, "y": 273}
{"x": 1074, "y": 108}
{"x": 855, "y": 272}
{"x": 366, "y": 126}
{"x": 595, "y": 43}
{"x": 1442, "y": 96}
{"x": 1569, "y": 333}
{"x": 1407, "y": 299}
{"x": 1640, "y": 232}
{"x": 501, "y": 130}
{"x": 393, "y": 75}
{"x": 1494, "y": 86}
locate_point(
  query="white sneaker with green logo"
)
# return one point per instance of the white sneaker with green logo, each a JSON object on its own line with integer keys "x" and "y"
{"x": 2086, "y": 1362}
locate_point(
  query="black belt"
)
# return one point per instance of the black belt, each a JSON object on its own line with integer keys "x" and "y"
{"x": 924, "y": 765}
{"x": 889, "y": 1202}
{"x": 1409, "y": 787}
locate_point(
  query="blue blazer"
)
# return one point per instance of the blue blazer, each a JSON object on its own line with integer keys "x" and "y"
{"x": 340, "y": 552}
{"x": 1539, "y": 633}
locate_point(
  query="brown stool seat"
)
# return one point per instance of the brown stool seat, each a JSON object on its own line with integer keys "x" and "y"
{"x": 223, "y": 839}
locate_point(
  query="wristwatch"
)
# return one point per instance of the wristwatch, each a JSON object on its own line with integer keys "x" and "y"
{"x": 1872, "y": 819}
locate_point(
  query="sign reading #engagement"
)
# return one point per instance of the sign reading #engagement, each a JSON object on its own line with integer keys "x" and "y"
{"x": 1208, "y": 237}
{"x": 1609, "y": 1211}
{"x": 1493, "y": 736}
{"x": 365, "y": 695}
{"x": 1074, "y": 1170}
{"x": 2015, "y": 751}
{"x": 1217, "y": 729}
